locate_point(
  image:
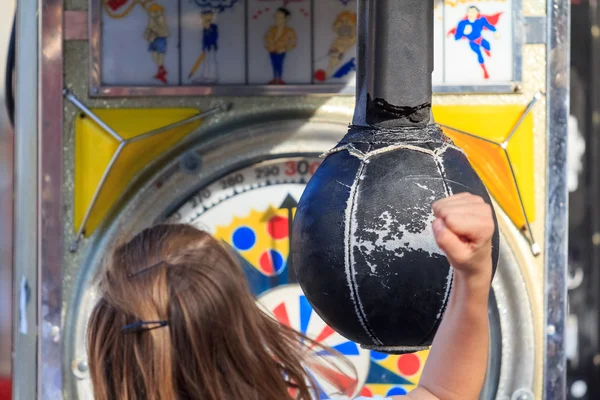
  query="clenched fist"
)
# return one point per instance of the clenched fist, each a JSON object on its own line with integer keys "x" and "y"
{"x": 463, "y": 228}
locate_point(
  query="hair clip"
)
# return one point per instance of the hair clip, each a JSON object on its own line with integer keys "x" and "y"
{"x": 141, "y": 271}
{"x": 143, "y": 326}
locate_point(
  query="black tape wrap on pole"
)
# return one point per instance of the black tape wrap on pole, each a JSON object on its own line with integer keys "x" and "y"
{"x": 400, "y": 53}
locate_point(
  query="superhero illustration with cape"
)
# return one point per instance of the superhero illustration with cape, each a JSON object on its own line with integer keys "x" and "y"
{"x": 471, "y": 28}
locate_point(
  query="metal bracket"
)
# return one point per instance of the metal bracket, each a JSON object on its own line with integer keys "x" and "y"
{"x": 122, "y": 143}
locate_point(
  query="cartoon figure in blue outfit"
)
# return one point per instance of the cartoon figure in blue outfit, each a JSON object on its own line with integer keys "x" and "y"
{"x": 156, "y": 34}
{"x": 207, "y": 61}
{"x": 471, "y": 29}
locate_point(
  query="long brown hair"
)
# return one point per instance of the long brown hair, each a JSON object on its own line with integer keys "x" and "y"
{"x": 216, "y": 343}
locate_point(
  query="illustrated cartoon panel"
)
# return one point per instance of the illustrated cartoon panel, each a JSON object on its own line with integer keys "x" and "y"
{"x": 478, "y": 43}
{"x": 279, "y": 41}
{"x": 140, "y": 42}
{"x": 334, "y": 43}
{"x": 213, "y": 44}
{"x": 291, "y": 42}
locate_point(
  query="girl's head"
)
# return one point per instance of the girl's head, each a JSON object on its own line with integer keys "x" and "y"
{"x": 176, "y": 320}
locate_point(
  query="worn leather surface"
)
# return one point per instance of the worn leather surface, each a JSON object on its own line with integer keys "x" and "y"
{"x": 363, "y": 248}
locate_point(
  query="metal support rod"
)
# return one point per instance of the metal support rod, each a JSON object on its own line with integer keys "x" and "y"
{"x": 25, "y": 262}
{"x": 75, "y": 101}
{"x": 395, "y": 63}
{"x": 194, "y": 118}
{"x": 81, "y": 230}
{"x": 122, "y": 143}
{"x": 556, "y": 224}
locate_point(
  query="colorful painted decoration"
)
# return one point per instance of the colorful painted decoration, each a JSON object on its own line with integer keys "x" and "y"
{"x": 279, "y": 40}
{"x": 139, "y": 42}
{"x": 335, "y": 26}
{"x": 206, "y": 64}
{"x": 250, "y": 210}
{"x": 478, "y": 42}
{"x": 471, "y": 28}
{"x": 289, "y": 42}
{"x": 156, "y": 34}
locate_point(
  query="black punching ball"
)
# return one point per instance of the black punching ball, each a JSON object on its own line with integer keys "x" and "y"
{"x": 363, "y": 247}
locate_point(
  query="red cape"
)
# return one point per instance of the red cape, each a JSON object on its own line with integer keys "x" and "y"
{"x": 492, "y": 19}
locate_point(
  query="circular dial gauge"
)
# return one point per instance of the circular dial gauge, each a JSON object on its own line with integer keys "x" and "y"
{"x": 249, "y": 210}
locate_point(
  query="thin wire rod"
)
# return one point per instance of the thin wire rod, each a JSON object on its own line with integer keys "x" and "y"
{"x": 177, "y": 124}
{"x": 525, "y": 113}
{"x": 514, "y": 178}
{"x": 75, "y": 101}
{"x": 470, "y": 134}
{"x": 109, "y": 167}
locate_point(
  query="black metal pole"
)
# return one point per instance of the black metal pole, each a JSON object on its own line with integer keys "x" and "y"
{"x": 394, "y": 91}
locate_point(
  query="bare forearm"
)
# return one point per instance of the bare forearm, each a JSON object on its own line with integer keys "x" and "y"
{"x": 457, "y": 362}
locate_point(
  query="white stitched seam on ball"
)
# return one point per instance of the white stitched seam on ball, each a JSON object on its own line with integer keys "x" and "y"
{"x": 440, "y": 166}
{"x": 349, "y": 242}
{"x": 365, "y": 156}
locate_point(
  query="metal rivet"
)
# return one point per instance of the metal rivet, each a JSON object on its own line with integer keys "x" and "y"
{"x": 596, "y": 239}
{"x": 82, "y": 366}
{"x": 95, "y": 90}
{"x": 595, "y": 31}
{"x": 596, "y": 360}
{"x": 551, "y": 330}
{"x": 522, "y": 394}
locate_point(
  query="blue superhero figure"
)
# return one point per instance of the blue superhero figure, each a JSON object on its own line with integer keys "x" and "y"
{"x": 207, "y": 61}
{"x": 471, "y": 29}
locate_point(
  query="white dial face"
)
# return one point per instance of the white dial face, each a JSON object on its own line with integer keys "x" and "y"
{"x": 249, "y": 210}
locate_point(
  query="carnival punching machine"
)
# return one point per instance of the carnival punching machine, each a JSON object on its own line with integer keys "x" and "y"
{"x": 364, "y": 252}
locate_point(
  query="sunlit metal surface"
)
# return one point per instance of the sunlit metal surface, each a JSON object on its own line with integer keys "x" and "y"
{"x": 25, "y": 271}
{"x": 6, "y": 199}
{"x": 558, "y": 48}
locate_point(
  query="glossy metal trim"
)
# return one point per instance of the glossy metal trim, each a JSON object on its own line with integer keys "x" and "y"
{"x": 97, "y": 89}
{"x": 25, "y": 256}
{"x": 76, "y": 25}
{"x": 556, "y": 227}
{"x": 50, "y": 214}
{"x": 122, "y": 143}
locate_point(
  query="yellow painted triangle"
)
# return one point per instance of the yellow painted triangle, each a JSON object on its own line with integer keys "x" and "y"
{"x": 94, "y": 148}
{"x": 496, "y": 123}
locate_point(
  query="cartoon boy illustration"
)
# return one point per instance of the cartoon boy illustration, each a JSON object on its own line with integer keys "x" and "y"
{"x": 207, "y": 61}
{"x": 280, "y": 39}
{"x": 471, "y": 28}
{"x": 344, "y": 28}
{"x": 156, "y": 34}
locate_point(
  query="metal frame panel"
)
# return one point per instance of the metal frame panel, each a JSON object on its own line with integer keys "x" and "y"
{"x": 38, "y": 205}
{"x": 556, "y": 227}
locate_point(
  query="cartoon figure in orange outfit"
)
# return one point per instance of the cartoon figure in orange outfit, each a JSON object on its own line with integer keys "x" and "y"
{"x": 280, "y": 39}
{"x": 156, "y": 34}
{"x": 344, "y": 28}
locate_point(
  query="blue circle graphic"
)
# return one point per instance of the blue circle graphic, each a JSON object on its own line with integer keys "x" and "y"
{"x": 244, "y": 238}
{"x": 395, "y": 391}
{"x": 377, "y": 356}
{"x": 277, "y": 260}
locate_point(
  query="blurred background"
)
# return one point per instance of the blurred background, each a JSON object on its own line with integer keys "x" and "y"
{"x": 7, "y": 10}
